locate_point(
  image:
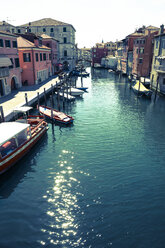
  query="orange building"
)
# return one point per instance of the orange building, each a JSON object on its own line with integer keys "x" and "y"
{"x": 35, "y": 61}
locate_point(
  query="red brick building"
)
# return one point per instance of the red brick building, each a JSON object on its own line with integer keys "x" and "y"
{"x": 143, "y": 54}
{"x": 98, "y": 52}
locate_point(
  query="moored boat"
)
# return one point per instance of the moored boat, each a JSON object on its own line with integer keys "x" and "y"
{"x": 75, "y": 92}
{"x": 18, "y": 137}
{"x": 141, "y": 90}
{"x": 56, "y": 115}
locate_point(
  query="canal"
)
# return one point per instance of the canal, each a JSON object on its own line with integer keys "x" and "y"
{"x": 99, "y": 183}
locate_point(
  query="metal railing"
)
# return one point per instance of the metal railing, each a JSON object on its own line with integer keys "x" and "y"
{"x": 160, "y": 68}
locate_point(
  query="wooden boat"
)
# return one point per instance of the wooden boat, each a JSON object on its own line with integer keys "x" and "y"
{"x": 57, "y": 115}
{"x": 141, "y": 90}
{"x": 18, "y": 137}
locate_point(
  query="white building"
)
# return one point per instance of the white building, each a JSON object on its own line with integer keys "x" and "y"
{"x": 63, "y": 32}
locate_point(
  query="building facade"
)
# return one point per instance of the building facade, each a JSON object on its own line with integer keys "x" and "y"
{"x": 63, "y": 32}
{"x": 98, "y": 52}
{"x": 35, "y": 61}
{"x": 54, "y": 45}
{"x": 10, "y": 71}
{"x": 143, "y": 54}
{"x": 158, "y": 65}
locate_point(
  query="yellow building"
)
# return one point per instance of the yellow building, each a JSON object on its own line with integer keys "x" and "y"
{"x": 158, "y": 63}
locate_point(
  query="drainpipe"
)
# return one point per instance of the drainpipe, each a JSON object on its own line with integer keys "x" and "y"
{"x": 33, "y": 61}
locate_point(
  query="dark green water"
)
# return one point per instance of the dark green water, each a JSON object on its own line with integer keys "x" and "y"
{"x": 99, "y": 183}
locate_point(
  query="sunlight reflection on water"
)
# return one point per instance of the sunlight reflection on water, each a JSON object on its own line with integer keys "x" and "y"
{"x": 63, "y": 203}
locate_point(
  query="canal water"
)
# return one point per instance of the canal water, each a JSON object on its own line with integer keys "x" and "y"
{"x": 98, "y": 183}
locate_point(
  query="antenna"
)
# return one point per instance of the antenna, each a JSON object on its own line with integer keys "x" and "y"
{"x": 8, "y": 20}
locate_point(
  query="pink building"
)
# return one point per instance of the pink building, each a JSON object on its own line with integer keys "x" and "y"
{"x": 35, "y": 61}
{"x": 10, "y": 71}
{"x": 54, "y": 45}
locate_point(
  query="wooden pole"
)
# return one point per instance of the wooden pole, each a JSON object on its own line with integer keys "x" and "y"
{"x": 2, "y": 119}
{"x": 156, "y": 91}
{"x": 38, "y": 99}
{"x": 45, "y": 97}
{"x": 26, "y": 99}
{"x": 52, "y": 103}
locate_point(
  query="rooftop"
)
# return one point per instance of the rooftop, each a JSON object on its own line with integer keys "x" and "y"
{"x": 23, "y": 43}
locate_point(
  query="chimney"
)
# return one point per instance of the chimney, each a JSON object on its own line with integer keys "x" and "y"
{"x": 162, "y": 29}
{"x": 36, "y": 42}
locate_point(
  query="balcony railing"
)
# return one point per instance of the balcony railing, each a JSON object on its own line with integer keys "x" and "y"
{"x": 160, "y": 68}
{"x": 4, "y": 72}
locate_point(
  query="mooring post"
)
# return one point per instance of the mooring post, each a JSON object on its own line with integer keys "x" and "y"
{"x": 45, "y": 96}
{"x": 52, "y": 89}
{"x": 156, "y": 91}
{"x": 38, "y": 99}
{"x": 52, "y": 105}
{"x": 2, "y": 119}
{"x": 26, "y": 99}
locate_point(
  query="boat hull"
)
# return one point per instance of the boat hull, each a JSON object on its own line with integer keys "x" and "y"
{"x": 47, "y": 114}
{"x": 11, "y": 159}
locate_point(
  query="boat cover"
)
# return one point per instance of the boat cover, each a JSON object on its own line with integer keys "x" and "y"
{"x": 141, "y": 88}
{"x": 10, "y": 129}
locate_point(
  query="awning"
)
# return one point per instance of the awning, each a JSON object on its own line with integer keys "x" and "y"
{"x": 10, "y": 129}
{"x": 161, "y": 57}
{"x": 4, "y": 61}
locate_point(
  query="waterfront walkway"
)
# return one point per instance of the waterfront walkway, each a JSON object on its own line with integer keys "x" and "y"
{"x": 17, "y": 97}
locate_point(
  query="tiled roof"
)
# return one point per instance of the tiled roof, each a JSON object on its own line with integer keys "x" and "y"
{"x": 45, "y": 36}
{"x": 23, "y": 43}
{"x": 151, "y": 27}
{"x": 5, "y": 23}
{"x": 7, "y": 33}
{"x": 45, "y": 22}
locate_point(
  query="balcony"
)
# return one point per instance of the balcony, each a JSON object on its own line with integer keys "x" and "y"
{"x": 159, "y": 68}
{"x": 4, "y": 72}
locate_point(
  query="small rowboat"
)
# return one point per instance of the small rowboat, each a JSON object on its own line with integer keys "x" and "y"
{"x": 57, "y": 115}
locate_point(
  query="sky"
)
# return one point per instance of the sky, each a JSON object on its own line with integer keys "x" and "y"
{"x": 94, "y": 20}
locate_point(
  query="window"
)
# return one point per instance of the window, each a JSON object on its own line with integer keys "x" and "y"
{"x": 7, "y": 43}
{"x": 12, "y": 30}
{"x": 141, "y": 50}
{"x": 40, "y": 56}
{"x": 51, "y": 30}
{"x": 163, "y": 81}
{"x": 14, "y": 43}
{"x": 11, "y": 66}
{"x": 50, "y": 56}
{"x": 65, "y": 53}
{"x": 36, "y": 56}
{"x": 19, "y": 31}
{"x": 1, "y": 43}
{"x": 140, "y": 61}
{"x": 157, "y": 42}
{"x": 44, "y": 29}
{"x": 47, "y": 44}
{"x": 44, "y": 56}
{"x": 17, "y": 62}
{"x": 137, "y": 50}
{"x": 64, "y": 29}
{"x": 26, "y": 57}
{"x": 65, "y": 40}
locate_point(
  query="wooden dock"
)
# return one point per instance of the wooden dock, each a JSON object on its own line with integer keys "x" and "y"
{"x": 18, "y": 99}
